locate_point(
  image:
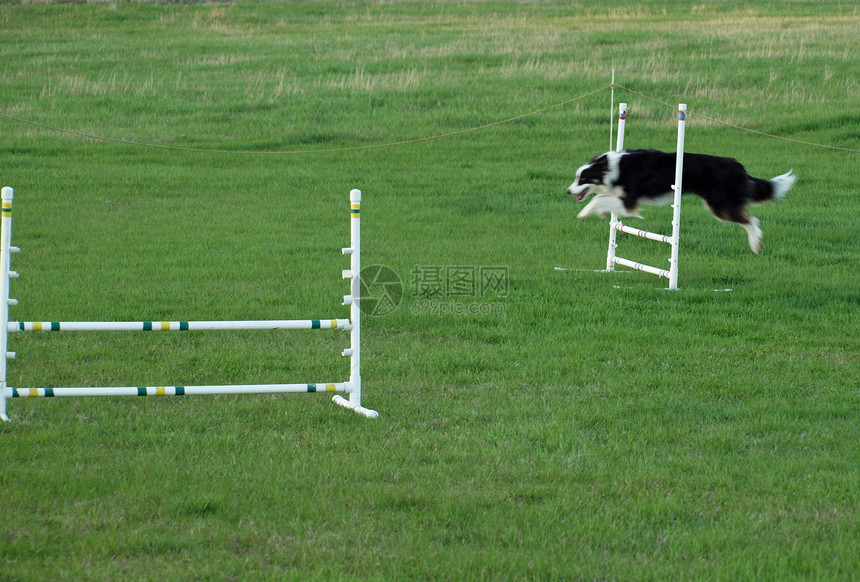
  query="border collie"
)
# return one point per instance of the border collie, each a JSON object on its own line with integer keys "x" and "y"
{"x": 623, "y": 181}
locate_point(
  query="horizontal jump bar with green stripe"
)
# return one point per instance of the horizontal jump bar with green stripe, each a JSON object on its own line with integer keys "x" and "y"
{"x": 177, "y": 325}
{"x": 176, "y": 390}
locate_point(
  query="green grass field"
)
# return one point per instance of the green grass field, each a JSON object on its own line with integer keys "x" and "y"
{"x": 571, "y": 425}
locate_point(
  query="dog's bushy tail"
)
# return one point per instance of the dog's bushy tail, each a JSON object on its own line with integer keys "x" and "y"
{"x": 782, "y": 184}
{"x": 773, "y": 189}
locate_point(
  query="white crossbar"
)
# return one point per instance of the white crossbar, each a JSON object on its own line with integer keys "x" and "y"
{"x": 274, "y": 324}
{"x": 179, "y": 390}
{"x": 643, "y": 233}
{"x": 642, "y": 267}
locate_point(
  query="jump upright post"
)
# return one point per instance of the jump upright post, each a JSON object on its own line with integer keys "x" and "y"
{"x": 353, "y": 300}
{"x": 616, "y": 226}
{"x": 352, "y": 386}
{"x": 613, "y": 218}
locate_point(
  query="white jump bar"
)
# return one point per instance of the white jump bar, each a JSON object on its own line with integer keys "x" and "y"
{"x": 175, "y": 390}
{"x": 642, "y": 267}
{"x": 14, "y": 326}
{"x": 665, "y": 238}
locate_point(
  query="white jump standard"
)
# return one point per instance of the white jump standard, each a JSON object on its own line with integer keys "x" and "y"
{"x": 351, "y": 386}
{"x": 616, "y": 225}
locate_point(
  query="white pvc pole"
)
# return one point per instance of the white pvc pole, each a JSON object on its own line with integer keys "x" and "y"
{"x": 354, "y": 301}
{"x": 642, "y": 267}
{"x": 677, "y": 186}
{"x": 14, "y": 326}
{"x": 643, "y": 233}
{"x": 179, "y": 390}
{"x": 613, "y": 220}
{"x": 5, "y": 259}
{"x": 622, "y": 120}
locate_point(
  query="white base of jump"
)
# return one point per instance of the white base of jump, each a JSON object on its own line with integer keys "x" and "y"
{"x": 352, "y": 387}
{"x": 341, "y": 401}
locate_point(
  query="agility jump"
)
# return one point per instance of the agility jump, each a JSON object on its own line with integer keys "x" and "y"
{"x": 624, "y": 180}
{"x": 616, "y": 225}
{"x": 352, "y": 386}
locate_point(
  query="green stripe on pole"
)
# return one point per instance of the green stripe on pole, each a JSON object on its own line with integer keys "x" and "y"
{"x": 147, "y": 326}
{"x": 183, "y": 325}
{"x": 49, "y": 392}
{"x": 315, "y": 324}
{"x": 15, "y": 393}
{"x": 141, "y": 391}
{"x": 180, "y": 390}
{"x": 55, "y": 326}
{"x": 312, "y": 387}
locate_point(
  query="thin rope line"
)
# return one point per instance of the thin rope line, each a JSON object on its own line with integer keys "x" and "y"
{"x": 741, "y": 128}
{"x": 611, "y": 86}
{"x": 297, "y": 152}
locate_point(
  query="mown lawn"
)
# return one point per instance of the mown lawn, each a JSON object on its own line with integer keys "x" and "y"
{"x": 193, "y": 162}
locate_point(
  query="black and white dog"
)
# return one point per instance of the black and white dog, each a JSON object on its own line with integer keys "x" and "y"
{"x": 623, "y": 181}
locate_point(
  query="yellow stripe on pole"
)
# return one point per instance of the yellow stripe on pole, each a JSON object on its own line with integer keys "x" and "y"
{"x": 159, "y": 390}
{"x": 33, "y": 392}
{"x": 330, "y": 388}
{"x": 37, "y": 326}
{"x": 165, "y": 326}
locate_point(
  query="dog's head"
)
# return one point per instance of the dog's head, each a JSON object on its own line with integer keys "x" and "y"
{"x": 600, "y": 171}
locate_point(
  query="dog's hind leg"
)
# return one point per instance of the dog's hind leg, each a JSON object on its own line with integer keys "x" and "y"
{"x": 753, "y": 233}
{"x": 739, "y": 215}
